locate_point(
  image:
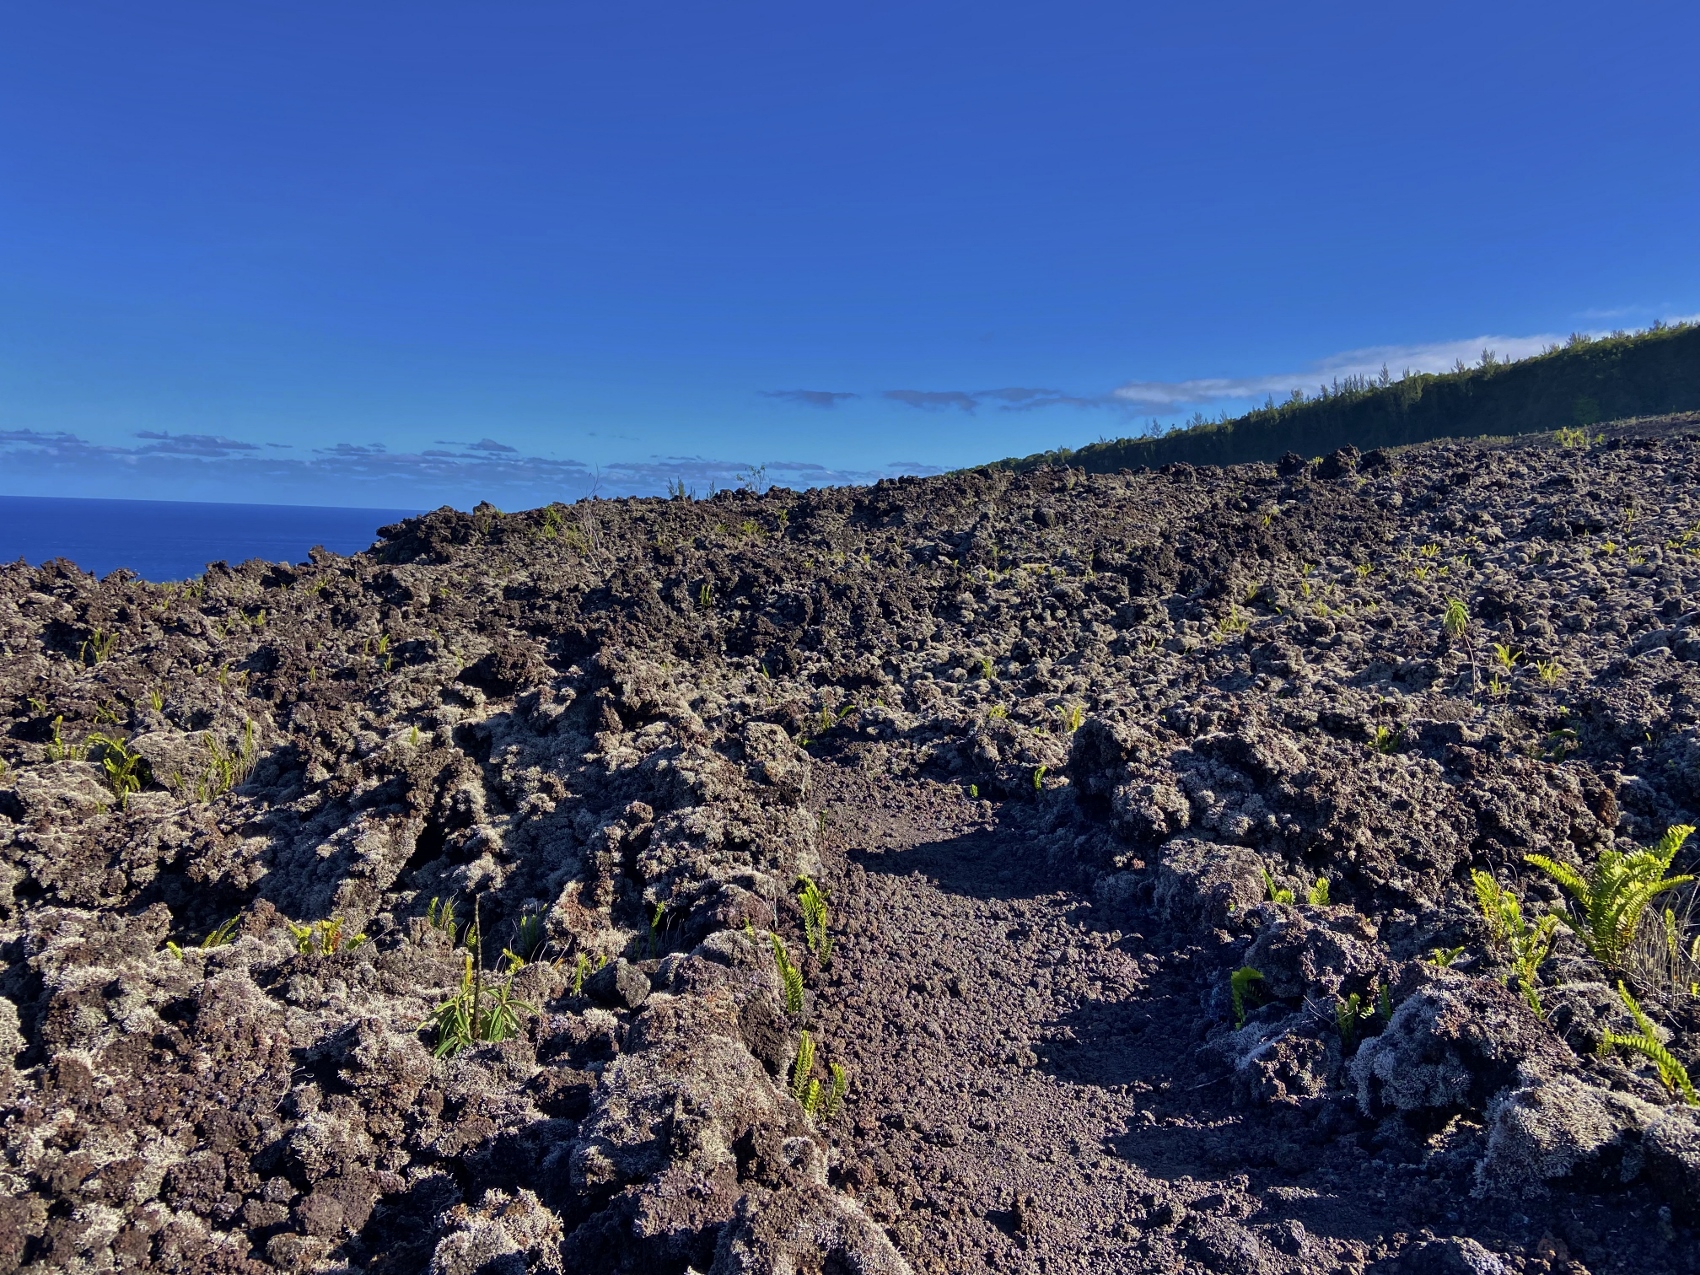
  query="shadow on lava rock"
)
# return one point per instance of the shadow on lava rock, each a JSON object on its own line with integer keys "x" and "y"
{"x": 987, "y": 863}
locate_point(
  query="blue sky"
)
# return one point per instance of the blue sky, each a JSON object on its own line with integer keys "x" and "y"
{"x": 396, "y": 254}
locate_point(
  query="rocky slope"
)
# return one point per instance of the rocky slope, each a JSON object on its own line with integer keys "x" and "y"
{"x": 1061, "y": 749}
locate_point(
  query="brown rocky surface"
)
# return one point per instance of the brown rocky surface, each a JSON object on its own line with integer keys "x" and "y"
{"x": 1039, "y": 737}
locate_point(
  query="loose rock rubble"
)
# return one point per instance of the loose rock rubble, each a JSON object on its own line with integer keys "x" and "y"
{"x": 1064, "y": 752}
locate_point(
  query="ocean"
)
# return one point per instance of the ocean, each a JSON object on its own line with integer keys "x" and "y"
{"x": 173, "y": 540}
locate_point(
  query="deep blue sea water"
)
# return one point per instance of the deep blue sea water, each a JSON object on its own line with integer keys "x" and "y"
{"x": 173, "y": 540}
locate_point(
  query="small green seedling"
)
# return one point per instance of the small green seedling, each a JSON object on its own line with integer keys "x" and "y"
{"x": 218, "y": 938}
{"x": 1444, "y": 956}
{"x": 1272, "y": 892}
{"x": 1318, "y": 896}
{"x": 1072, "y": 716}
{"x": 59, "y": 750}
{"x": 1386, "y": 739}
{"x": 324, "y": 938}
{"x": 1349, "y": 1015}
{"x": 800, "y": 1069}
{"x": 1551, "y": 672}
{"x": 813, "y": 902}
{"x": 1039, "y": 774}
{"x": 790, "y": 977}
{"x": 1505, "y": 657}
{"x": 125, "y": 769}
{"x": 1241, "y": 991}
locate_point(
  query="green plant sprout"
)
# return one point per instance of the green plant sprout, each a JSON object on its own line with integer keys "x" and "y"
{"x": 790, "y": 977}
{"x": 226, "y": 768}
{"x": 475, "y": 1014}
{"x": 1549, "y": 671}
{"x": 1319, "y": 893}
{"x": 1671, "y": 1072}
{"x": 835, "y": 1095}
{"x": 1349, "y": 1014}
{"x": 1386, "y": 739}
{"x": 655, "y": 928}
{"x": 813, "y": 902}
{"x": 1240, "y": 990}
{"x": 98, "y": 648}
{"x": 528, "y": 941}
{"x": 1444, "y": 956}
{"x": 125, "y": 769}
{"x": 1072, "y": 717}
{"x": 1039, "y": 774}
{"x": 1609, "y": 901}
{"x": 986, "y": 667}
{"x": 551, "y": 522}
{"x": 583, "y": 968}
{"x": 1528, "y": 944}
{"x": 803, "y": 1089}
{"x": 323, "y": 938}
{"x": 59, "y": 750}
{"x": 218, "y": 938}
{"x": 1272, "y": 892}
{"x": 705, "y": 597}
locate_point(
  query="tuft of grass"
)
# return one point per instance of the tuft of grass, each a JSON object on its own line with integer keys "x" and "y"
{"x": 324, "y": 938}
{"x": 218, "y": 938}
{"x": 551, "y": 522}
{"x": 790, "y": 977}
{"x": 1610, "y": 900}
{"x": 1671, "y": 1072}
{"x": 1240, "y": 989}
{"x": 813, "y": 902}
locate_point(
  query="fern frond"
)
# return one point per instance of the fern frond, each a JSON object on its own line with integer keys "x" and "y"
{"x": 1671, "y": 1072}
{"x": 1563, "y": 873}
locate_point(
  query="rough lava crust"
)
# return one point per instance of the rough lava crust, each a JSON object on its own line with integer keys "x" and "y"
{"x": 1038, "y": 737}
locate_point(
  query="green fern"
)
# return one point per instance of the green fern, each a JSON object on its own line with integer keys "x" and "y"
{"x": 1273, "y": 892}
{"x": 218, "y": 938}
{"x": 1529, "y": 945}
{"x": 1319, "y": 893}
{"x": 835, "y": 1095}
{"x": 790, "y": 977}
{"x": 1348, "y": 1014}
{"x": 800, "y": 1069}
{"x": 1611, "y": 899}
{"x": 1240, "y": 988}
{"x": 1444, "y": 956}
{"x": 125, "y": 769}
{"x": 1671, "y": 1072}
{"x": 813, "y": 902}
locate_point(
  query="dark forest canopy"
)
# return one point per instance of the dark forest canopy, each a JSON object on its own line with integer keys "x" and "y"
{"x": 1580, "y": 383}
